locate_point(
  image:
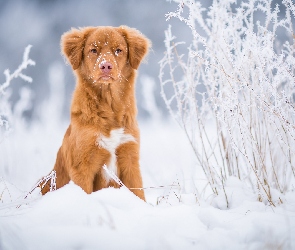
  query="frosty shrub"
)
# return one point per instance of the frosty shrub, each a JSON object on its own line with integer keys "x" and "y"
{"x": 6, "y": 112}
{"x": 233, "y": 91}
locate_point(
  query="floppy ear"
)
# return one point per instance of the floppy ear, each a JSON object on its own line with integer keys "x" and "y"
{"x": 72, "y": 45}
{"x": 138, "y": 45}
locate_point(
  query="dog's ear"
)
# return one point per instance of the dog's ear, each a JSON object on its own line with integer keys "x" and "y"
{"x": 72, "y": 45}
{"x": 138, "y": 45}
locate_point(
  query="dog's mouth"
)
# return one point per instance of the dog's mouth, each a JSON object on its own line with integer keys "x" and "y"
{"x": 106, "y": 78}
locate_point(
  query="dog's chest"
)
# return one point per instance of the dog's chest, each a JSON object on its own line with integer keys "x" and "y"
{"x": 117, "y": 137}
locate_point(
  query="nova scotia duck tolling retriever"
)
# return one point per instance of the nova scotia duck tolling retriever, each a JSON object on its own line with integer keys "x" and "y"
{"x": 103, "y": 129}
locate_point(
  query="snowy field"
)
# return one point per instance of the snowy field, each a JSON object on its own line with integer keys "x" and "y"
{"x": 180, "y": 213}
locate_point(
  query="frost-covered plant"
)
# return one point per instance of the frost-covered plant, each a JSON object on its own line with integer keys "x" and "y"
{"x": 5, "y": 106}
{"x": 233, "y": 92}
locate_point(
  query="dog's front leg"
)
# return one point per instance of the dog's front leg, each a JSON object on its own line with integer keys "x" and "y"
{"x": 83, "y": 177}
{"x": 128, "y": 164}
{"x": 87, "y": 173}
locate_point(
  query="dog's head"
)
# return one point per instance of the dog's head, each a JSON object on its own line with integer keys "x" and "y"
{"x": 104, "y": 54}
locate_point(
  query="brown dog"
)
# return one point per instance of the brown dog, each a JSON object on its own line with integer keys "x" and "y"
{"x": 103, "y": 127}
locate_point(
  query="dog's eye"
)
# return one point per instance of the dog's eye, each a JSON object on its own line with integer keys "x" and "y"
{"x": 118, "y": 51}
{"x": 94, "y": 51}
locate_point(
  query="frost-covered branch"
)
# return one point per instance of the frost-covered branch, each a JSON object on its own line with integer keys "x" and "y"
{"x": 18, "y": 72}
{"x": 5, "y": 107}
{"x": 233, "y": 92}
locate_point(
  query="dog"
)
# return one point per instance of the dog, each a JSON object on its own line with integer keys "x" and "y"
{"x": 103, "y": 128}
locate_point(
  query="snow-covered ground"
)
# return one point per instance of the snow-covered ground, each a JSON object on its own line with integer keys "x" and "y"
{"x": 179, "y": 212}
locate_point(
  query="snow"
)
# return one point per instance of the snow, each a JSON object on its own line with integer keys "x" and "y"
{"x": 115, "y": 218}
{"x": 178, "y": 214}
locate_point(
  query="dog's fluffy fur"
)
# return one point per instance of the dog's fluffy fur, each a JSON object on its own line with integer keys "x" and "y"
{"x": 103, "y": 128}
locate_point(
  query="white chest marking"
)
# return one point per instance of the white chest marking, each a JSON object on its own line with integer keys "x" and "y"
{"x": 117, "y": 137}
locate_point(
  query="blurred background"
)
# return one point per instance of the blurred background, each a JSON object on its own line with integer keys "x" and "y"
{"x": 30, "y": 151}
{"x": 42, "y": 22}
